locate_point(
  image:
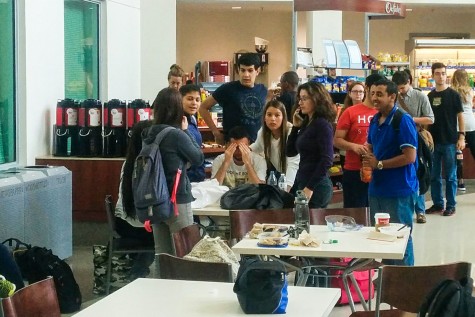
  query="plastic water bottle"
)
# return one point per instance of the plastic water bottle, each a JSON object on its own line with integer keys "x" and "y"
{"x": 272, "y": 180}
{"x": 302, "y": 217}
{"x": 282, "y": 182}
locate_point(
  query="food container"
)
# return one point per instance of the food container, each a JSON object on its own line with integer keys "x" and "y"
{"x": 395, "y": 229}
{"x": 273, "y": 239}
{"x": 341, "y": 223}
{"x": 381, "y": 219}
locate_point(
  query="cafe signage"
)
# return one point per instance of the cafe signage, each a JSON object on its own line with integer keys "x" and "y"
{"x": 386, "y": 8}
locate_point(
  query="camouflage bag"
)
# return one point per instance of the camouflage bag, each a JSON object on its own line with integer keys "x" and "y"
{"x": 120, "y": 270}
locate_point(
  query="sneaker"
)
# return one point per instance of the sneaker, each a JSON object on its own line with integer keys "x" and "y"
{"x": 434, "y": 210}
{"x": 450, "y": 211}
{"x": 461, "y": 187}
{"x": 421, "y": 218}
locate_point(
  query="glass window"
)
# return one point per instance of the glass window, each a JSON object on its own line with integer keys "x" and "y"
{"x": 7, "y": 83}
{"x": 81, "y": 49}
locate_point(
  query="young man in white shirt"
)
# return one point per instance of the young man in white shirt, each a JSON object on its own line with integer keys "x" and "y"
{"x": 239, "y": 165}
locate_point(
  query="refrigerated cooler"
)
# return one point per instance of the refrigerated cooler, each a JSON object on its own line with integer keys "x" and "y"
{"x": 454, "y": 53}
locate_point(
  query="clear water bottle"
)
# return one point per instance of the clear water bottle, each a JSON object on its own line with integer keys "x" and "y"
{"x": 272, "y": 180}
{"x": 282, "y": 182}
{"x": 302, "y": 217}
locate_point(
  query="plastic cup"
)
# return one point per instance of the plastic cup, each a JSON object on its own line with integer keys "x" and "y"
{"x": 381, "y": 220}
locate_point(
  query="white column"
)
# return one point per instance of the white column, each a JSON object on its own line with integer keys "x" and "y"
{"x": 322, "y": 25}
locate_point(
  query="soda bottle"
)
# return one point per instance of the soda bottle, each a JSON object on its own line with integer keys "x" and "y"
{"x": 272, "y": 180}
{"x": 282, "y": 182}
{"x": 366, "y": 173}
{"x": 302, "y": 217}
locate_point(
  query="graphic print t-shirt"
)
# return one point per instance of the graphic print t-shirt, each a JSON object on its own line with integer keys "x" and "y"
{"x": 241, "y": 106}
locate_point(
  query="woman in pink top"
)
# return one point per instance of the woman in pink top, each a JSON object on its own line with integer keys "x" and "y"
{"x": 350, "y": 135}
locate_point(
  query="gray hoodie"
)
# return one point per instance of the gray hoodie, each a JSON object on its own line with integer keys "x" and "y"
{"x": 178, "y": 149}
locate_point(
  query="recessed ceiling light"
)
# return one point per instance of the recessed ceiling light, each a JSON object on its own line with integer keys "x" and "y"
{"x": 236, "y": 8}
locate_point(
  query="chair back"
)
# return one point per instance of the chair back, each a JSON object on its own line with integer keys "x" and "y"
{"x": 175, "y": 268}
{"x": 110, "y": 214}
{"x": 241, "y": 221}
{"x": 185, "y": 239}
{"x": 35, "y": 300}
{"x": 361, "y": 215}
{"x": 406, "y": 287}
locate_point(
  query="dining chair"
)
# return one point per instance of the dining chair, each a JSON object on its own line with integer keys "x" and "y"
{"x": 119, "y": 245}
{"x": 175, "y": 268}
{"x": 34, "y": 300}
{"x": 343, "y": 270}
{"x": 185, "y": 239}
{"x": 242, "y": 221}
{"x": 405, "y": 288}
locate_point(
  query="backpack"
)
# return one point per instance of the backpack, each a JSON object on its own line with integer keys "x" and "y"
{"x": 450, "y": 298}
{"x": 261, "y": 287}
{"x": 424, "y": 155}
{"x": 38, "y": 263}
{"x": 152, "y": 200}
{"x": 256, "y": 196}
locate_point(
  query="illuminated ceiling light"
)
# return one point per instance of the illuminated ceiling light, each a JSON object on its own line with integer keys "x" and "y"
{"x": 236, "y": 8}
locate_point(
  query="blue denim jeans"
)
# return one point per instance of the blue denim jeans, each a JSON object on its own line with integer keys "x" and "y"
{"x": 444, "y": 154}
{"x": 420, "y": 204}
{"x": 355, "y": 192}
{"x": 400, "y": 209}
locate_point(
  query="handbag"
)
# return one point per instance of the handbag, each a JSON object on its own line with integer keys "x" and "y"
{"x": 213, "y": 250}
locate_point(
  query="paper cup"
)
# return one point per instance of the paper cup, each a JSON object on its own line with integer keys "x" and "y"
{"x": 381, "y": 220}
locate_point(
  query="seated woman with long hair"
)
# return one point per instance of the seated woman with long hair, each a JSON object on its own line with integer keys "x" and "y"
{"x": 271, "y": 142}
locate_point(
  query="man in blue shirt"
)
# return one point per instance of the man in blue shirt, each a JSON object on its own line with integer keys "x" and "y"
{"x": 392, "y": 155}
{"x": 242, "y": 101}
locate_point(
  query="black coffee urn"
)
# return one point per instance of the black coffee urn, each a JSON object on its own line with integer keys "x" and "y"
{"x": 66, "y": 131}
{"x": 90, "y": 128}
{"x": 114, "y": 136}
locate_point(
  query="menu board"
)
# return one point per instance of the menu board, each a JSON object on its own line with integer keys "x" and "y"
{"x": 342, "y": 56}
{"x": 304, "y": 57}
{"x": 354, "y": 53}
{"x": 330, "y": 53}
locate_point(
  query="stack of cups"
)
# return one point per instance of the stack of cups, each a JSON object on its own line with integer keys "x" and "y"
{"x": 381, "y": 220}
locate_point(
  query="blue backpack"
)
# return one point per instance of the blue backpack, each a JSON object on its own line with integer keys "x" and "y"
{"x": 152, "y": 200}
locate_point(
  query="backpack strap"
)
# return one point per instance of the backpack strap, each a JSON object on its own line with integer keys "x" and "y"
{"x": 439, "y": 298}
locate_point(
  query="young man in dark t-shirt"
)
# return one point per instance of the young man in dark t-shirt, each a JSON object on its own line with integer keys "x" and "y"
{"x": 242, "y": 100}
{"x": 447, "y": 107}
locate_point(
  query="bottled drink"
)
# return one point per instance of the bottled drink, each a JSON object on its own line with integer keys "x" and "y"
{"x": 366, "y": 173}
{"x": 282, "y": 182}
{"x": 302, "y": 218}
{"x": 459, "y": 155}
{"x": 272, "y": 180}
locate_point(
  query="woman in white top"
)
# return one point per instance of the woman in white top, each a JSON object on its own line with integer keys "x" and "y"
{"x": 271, "y": 142}
{"x": 460, "y": 83}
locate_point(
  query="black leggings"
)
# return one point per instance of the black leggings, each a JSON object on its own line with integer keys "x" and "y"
{"x": 470, "y": 140}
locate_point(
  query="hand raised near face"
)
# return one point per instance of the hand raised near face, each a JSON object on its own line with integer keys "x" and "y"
{"x": 229, "y": 152}
{"x": 246, "y": 153}
{"x": 184, "y": 123}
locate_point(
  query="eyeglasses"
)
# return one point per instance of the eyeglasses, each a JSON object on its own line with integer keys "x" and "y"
{"x": 303, "y": 98}
{"x": 359, "y": 92}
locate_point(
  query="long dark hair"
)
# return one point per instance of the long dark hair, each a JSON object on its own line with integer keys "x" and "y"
{"x": 168, "y": 107}
{"x": 323, "y": 102}
{"x": 133, "y": 149}
{"x": 267, "y": 135}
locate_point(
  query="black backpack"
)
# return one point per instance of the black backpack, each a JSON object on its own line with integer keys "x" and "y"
{"x": 38, "y": 263}
{"x": 261, "y": 287}
{"x": 424, "y": 155}
{"x": 450, "y": 298}
{"x": 256, "y": 196}
{"x": 152, "y": 200}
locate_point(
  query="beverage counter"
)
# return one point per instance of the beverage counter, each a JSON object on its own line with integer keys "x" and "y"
{"x": 92, "y": 179}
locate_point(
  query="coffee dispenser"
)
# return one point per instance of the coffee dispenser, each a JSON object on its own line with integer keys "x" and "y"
{"x": 66, "y": 131}
{"x": 90, "y": 128}
{"x": 114, "y": 135}
{"x": 138, "y": 110}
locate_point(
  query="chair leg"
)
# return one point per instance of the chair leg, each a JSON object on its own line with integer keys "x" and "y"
{"x": 358, "y": 291}
{"x": 109, "y": 269}
{"x": 348, "y": 293}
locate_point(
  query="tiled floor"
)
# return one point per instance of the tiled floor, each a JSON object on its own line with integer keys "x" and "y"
{"x": 440, "y": 240}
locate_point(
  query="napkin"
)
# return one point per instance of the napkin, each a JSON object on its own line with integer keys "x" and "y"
{"x": 375, "y": 235}
{"x": 307, "y": 240}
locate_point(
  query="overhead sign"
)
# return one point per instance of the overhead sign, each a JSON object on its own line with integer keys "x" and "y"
{"x": 388, "y": 8}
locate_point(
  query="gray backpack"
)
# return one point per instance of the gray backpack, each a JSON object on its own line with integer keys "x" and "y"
{"x": 152, "y": 200}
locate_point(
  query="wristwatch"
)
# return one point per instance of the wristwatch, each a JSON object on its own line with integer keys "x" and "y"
{"x": 380, "y": 165}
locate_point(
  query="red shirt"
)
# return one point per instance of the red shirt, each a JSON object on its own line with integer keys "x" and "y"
{"x": 355, "y": 120}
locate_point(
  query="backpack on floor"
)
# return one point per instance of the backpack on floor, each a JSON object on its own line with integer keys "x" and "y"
{"x": 152, "y": 200}
{"x": 450, "y": 298}
{"x": 38, "y": 263}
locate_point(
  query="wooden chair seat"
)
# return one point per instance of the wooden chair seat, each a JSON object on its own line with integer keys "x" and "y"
{"x": 185, "y": 239}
